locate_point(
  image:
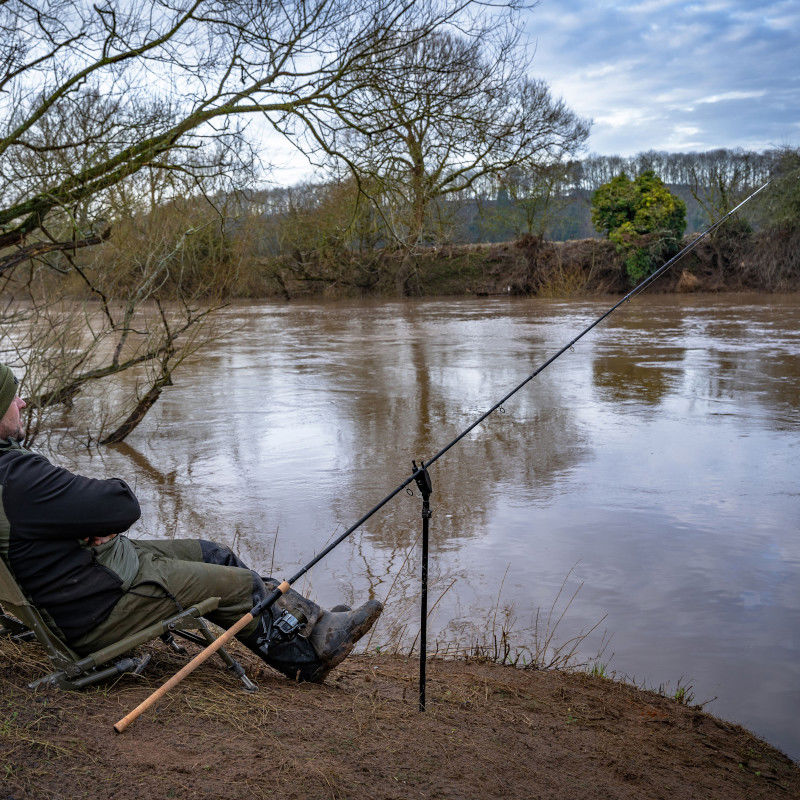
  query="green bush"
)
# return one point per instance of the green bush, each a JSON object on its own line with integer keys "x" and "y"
{"x": 643, "y": 219}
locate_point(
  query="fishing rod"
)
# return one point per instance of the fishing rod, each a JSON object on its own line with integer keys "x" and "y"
{"x": 419, "y": 475}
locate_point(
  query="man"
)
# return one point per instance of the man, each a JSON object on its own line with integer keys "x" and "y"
{"x": 62, "y": 535}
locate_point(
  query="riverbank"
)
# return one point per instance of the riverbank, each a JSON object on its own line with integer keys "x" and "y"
{"x": 768, "y": 261}
{"x": 489, "y": 731}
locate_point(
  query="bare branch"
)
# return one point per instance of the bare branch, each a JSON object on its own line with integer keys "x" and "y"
{"x": 39, "y": 249}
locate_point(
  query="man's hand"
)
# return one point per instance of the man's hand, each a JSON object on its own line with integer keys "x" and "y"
{"x": 96, "y": 540}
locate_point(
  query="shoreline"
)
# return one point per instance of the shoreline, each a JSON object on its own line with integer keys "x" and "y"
{"x": 763, "y": 262}
{"x": 489, "y": 730}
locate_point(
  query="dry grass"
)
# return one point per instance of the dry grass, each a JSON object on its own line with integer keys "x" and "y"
{"x": 496, "y": 636}
{"x": 360, "y": 736}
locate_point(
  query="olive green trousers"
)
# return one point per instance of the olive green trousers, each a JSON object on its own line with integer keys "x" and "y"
{"x": 174, "y": 567}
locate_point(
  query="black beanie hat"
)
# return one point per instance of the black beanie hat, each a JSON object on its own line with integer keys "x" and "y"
{"x": 8, "y": 388}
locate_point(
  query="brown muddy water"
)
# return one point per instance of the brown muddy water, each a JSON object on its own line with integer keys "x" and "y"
{"x": 656, "y": 465}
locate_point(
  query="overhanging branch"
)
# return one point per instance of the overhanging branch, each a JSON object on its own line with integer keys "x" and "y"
{"x": 39, "y": 249}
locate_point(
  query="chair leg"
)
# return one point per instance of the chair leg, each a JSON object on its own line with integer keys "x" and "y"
{"x": 232, "y": 663}
{"x": 169, "y": 640}
{"x": 63, "y": 681}
{"x": 13, "y": 627}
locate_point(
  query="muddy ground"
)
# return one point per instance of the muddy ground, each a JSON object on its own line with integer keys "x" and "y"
{"x": 489, "y": 731}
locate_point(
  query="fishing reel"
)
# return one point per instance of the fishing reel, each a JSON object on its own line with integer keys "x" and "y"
{"x": 286, "y": 626}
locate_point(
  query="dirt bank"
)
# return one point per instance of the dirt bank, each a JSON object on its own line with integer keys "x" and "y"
{"x": 768, "y": 261}
{"x": 489, "y": 731}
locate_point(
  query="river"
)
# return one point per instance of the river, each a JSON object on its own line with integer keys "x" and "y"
{"x": 653, "y": 469}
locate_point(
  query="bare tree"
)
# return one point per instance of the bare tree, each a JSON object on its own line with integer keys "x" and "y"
{"x": 449, "y": 112}
{"x": 135, "y": 306}
{"x": 539, "y": 195}
{"x": 173, "y": 74}
{"x": 719, "y": 179}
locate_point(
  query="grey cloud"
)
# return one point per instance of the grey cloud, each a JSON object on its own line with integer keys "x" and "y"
{"x": 674, "y": 75}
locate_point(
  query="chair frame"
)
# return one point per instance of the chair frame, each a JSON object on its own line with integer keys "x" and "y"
{"x": 73, "y": 671}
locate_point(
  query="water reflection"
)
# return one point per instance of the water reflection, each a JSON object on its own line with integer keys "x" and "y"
{"x": 660, "y": 457}
{"x": 621, "y": 377}
{"x": 408, "y": 405}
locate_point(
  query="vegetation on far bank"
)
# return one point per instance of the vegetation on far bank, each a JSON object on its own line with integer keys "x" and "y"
{"x": 763, "y": 262}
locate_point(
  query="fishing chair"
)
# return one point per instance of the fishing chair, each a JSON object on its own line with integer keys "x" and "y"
{"x": 77, "y": 672}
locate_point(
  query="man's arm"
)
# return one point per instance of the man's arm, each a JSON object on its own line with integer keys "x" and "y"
{"x": 48, "y": 502}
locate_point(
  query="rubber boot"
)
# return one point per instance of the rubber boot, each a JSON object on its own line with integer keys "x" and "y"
{"x": 294, "y": 657}
{"x": 330, "y": 642}
{"x": 336, "y": 633}
{"x": 293, "y": 602}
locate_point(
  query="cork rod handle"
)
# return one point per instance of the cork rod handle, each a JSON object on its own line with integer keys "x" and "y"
{"x": 202, "y": 656}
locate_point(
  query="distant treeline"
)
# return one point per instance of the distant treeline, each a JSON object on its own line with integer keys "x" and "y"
{"x": 553, "y": 203}
{"x": 341, "y": 237}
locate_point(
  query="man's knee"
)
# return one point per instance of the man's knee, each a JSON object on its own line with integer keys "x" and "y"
{"x": 214, "y": 553}
{"x": 220, "y": 555}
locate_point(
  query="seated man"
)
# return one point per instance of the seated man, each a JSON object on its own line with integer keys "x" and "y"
{"x": 62, "y": 535}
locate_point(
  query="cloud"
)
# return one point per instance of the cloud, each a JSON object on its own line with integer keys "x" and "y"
{"x": 621, "y": 118}
{"x": 658, "y": 74}
{"x": 649, "y": 6}
{"x": 666, "y": 74}
{"x": 727, "y": 96}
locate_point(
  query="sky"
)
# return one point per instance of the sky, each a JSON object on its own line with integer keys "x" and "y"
{"x": 660, "y": 74}
{"x": 673, "y": 75}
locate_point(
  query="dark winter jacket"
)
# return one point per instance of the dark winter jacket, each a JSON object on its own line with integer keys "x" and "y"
{"x": 45, "y": 513}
